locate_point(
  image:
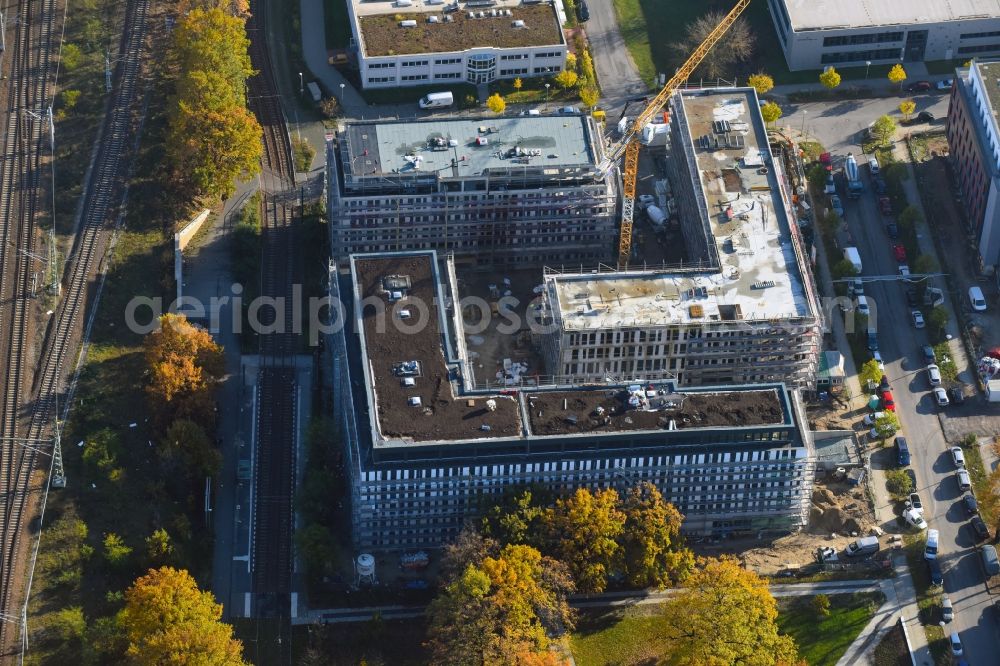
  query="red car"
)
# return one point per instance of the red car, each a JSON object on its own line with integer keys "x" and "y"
{"x": 920, "y": 86}
{"x": 887, "y": 402}
{"x": 885, "y": 206}
{"x": 899, "y": 252}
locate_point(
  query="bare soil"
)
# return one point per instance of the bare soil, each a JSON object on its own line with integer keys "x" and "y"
{"x": 698, "y": 410}
{"x": 441, "y": 415}
{"x": 383, "y": 36}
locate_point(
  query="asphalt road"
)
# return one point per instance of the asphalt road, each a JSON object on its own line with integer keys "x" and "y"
{"x": 618, "y": 77}
{"x": 899, "y": 345}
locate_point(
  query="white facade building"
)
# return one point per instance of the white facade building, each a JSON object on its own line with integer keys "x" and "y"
{"x": 851, "y": 33}
{"x": 430, "y": 42}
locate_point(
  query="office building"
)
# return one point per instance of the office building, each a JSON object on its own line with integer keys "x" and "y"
{"x": 851, "y": 33}
{"x": 493, "y": 191}
{"x": 974, "y": 151}
{"x": 742, "y": 310}
{"x": 406, "y": 43}
{"x": 425, "y": 447}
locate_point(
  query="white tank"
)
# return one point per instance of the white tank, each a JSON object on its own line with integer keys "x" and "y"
{"x": 656, "y": 215}
{"x": 366, "y": 564}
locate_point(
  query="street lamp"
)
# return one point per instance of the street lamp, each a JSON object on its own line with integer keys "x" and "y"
{"x": 547, "y": 91}
{"x": 804, "y": 112}
{"x": 341, "y": 94}
{"x": 868, "y": 63}
{"x": 301, "y": 84}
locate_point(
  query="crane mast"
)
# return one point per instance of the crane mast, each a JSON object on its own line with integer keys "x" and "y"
{"x": 629, "y": 144}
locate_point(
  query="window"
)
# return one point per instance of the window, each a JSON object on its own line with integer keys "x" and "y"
{"x": 448, "y": 75}
{"x": 985, "y": 48}
{"x": 381, "y": 65}
{"x": 381, "y": 79}
{"x": 860, "y": 56}
{"x": 548, "y": 54}
{"x": 547, "y": 70}
{"x": 870, "y": 38}
{"x": 514, "y": 56}
{"x": 414, "y": 77}
{"x": 414, "y": 63}
{"x": 513, "y": 72}
{"x": 448, "y": 61}
{"x": 979, "y": 35}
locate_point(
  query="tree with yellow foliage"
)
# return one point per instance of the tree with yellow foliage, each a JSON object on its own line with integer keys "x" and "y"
{"x": 496, "y": 103}
{"x": 724, "y": 615}
{"x": 168, "y": 620}
{"x": 907, "y": 107}
{"x": 897, "y": 75}
{"x": 566, "y": 79}
{"x": 653, "y": 553}
{"x": 583, "y": 531}
{"x": 184, "y": 364}
{"x": 830, "y": 78}
{"x": 770, "y": 112}
{"x": 518, "y": 83}
{"x": 761, "y": 82}
{"x": 589, "y": 96}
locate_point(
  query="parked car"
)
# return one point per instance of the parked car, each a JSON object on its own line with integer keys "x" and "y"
{"x": 963, "y": 480}
{"x": 836, "y": 205}
{"x": 899, "y": 252}
{"x": 944, "y": 85}
{"x": 878, "y": 359}
{"x": 957, "y": 456}
{"x": 934, "y": 569}
{"x": 862, "y": 306}
{"x": 912, "y": 299}
{"x": 980, "y": 528}
{"x": 891, "y": 230}
{"x": 870, "y": 419}
{"x": 928, "y": 353}
{"x": 872, "y": 340}
{"x": 971, "y": 505}
{"x": 878, "y": 182}
{"x": 956, "y": 644}
{"x": 925, "y": 117}
{"x": 856, "y": 287}
{"x": 931, "y": 545}
{"x": 883, "y": 384}
{"x": 914, "y": 503}
{"x": 947, "y": 611}
{"x": 568, "y": 111}
{"x": 918, "y": 319}
{"x": 915, "y": 519}
{"x": 933, "y": 375}
{"x": 919, "y": 86}
{"x": 887, "y": 401}
{"x": 885, "y": 206}
{"x": 957, "y": 395}
{"x": 830, "y": 187}
{"x": 904, "y": 270}
{"x": 582, "y": 11}
{"x": 941, "y": 397}
{"x": 976, "y": 299}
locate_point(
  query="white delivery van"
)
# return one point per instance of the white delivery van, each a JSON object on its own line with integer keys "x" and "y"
{"x": 438, "y": 100}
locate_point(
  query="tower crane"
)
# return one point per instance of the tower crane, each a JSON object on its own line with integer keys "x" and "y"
{"x": 629, "y": 144}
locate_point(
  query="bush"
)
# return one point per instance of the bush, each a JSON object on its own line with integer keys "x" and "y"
{"x": 71, "y": 57}
{"x": 898, "y": 483}
{"x": 821, "y": 604}
{"x": 303, "y": 154}
{"x": 329, "y": 107}
{"x": 115, "y": 550}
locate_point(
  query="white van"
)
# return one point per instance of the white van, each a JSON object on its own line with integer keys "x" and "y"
{"x": 437, "y": 100}
{"x": 863, "y": 546}
{"x": 964, "y": 480}
{"x": 931, "y": 548}
{"x": 976, "y": 299}
{"x": 873, "y": 165}
{"x": 862, "y": 307}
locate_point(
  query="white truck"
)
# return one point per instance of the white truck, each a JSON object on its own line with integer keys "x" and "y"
{"x": 993, "y": 390}
{"x": 437, "y": 100}
{"x": 852, "y": 255}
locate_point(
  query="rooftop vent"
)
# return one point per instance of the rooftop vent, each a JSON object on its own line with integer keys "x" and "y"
{"x": 518, "y": 24}
{"x": 762, "y": 284}
{"x": 408, "y": 381}
{"x": 407, "y": 24}
{"x": 413, "y": 401}
{"x": 696, "y": 311}
{"x": 433, "y": 19}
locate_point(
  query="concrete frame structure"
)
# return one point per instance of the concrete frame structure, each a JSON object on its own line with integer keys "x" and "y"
{"x": 974, "y": 151}
{"x": 743, "y": 310}
{"x": 849, "y": 33}
{"x": 495, "y": 191}
{"x": 410, "y": 487}
{"x": 478, "y": 64}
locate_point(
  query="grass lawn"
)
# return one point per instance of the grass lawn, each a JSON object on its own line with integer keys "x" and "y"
{"x": 928, "y": 598}
{"x": 632, "y": 637}
{"x": 823, "y": 640}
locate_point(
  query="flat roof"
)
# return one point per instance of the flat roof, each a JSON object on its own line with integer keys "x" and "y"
{"x": 834, "y": 14}
{"x": 382, "y": 34}
{"x": 425, "y": 146}
{"x": 449, "y": 414}
{"x": 758, "y": 278}
{"x": 989, "y": 72}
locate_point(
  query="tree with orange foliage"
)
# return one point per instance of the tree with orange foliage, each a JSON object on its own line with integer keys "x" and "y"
{"x": 168, "y": 620}
{"x": 184, "y": 364}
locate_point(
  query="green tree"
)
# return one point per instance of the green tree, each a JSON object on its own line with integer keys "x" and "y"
{"x": 761, "y": 82}
{"x": 924, "y": 263}
{"x": 830, "y": 78}
{"x": 159, "y": 548}
{"x": 831, "y": 222}
{"x": 589, "y": 96}
{"x": 907, "y": 107}
{"x": 898, "y": 483}
{"x": 909, "y": 218}
{"x": 888, "y": 423}
{"x": 317, "y": 547}
{"x": 101, "y": 453}
{"x": 870, "y": 373}
{"x": 843, "y": 269}
{"x": 70, "y": 57}
{"x": 817, "y": 177}
{"x": 517, "y": 518}
{"x": 500, "y": 610}
{"x": 168, "y": 620}
{"x": 186, "y": 445}
{"x": 724, "y": 615}
{"x": 653, "y": 553}
{"x": 897, "y": 74}
{"x": 496, "y": 103}
{"x": 116, "y": 552}
{"x": 821, "y": 604}
{"x": 67, "y": 626}
{"x": 740, "y": 42}
{"x": 583, "y": 530}
{"x": 770, "y": 112}
{"x": 937, "y": 319}
{"x": 883, "y": 129}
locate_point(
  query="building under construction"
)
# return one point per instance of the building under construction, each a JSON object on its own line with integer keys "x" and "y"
{"x": 510, "y": 191}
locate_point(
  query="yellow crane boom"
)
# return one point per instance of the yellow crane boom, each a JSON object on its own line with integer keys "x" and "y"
{"x": 629, "y": 144}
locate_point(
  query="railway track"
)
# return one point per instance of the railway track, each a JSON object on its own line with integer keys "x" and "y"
{"x": 61, "y": 339}
{"x": 271, "y": 550}
{"x": 27, "y": 102}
